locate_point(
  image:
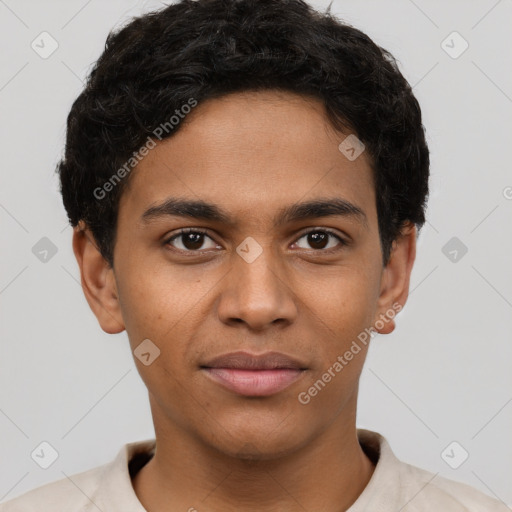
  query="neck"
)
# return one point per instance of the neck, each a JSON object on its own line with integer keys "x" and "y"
{"x": 327, "y": 473}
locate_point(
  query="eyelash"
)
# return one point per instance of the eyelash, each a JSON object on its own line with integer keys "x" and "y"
{"x": 186, "y": 231}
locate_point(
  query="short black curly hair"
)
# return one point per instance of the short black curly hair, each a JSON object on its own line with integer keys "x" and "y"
{"x": 204, "y": 49}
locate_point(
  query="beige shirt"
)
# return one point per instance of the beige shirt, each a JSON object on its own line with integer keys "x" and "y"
{"x": 394, "y": 486}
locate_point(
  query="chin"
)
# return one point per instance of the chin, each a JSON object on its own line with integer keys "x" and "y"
{"x": 257, "y": 440}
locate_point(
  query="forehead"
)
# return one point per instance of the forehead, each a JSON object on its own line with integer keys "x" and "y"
{"x": 252, "y": 153}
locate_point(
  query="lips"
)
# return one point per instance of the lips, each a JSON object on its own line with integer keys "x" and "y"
{"x": 247, "y": 361}
{"x": 254, "y": 374}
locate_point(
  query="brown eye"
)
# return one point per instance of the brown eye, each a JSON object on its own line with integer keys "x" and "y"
{"x": 319, "y": 239}
{"x": 191, "y": 240}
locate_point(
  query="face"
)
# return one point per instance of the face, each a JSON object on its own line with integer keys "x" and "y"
{"x": 280, "y": 253}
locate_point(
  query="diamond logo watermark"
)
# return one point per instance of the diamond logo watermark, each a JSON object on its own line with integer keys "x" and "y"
{"x": 455, "y": 455}
{"x": 146, "y": 352}
{"x": 351, "y": 147}
{"x": 454, "y": 45}
{"x": 44, "y": 250}
{"x": 454, "y": 249}
{"x": 44, "y": 45}
{"x": 44, "y": 455}
{"x": 249, "y": 249}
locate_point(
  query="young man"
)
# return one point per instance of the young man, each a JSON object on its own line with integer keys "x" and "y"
{"x": 246, "y": 180}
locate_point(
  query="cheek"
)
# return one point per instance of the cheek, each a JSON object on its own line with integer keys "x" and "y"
{"x": 153, "y": 302}
{"x": 158, "y": 306}
{"x": 154, "y": 311}
{"x": 330, "y": 392}
{"x": 343, "y": 309}
{"x": 344, "y": 304}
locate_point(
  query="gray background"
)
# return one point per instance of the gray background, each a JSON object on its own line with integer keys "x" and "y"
{"x": 442, "y": 376}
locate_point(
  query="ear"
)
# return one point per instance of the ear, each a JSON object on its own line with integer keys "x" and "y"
{"x": 395, "y": 279}
{"x": 98, "y": 281}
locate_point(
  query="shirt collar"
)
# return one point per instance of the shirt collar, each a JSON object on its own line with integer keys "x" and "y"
{"x": 383, "y": 488}
{"x": 116, "y": 483}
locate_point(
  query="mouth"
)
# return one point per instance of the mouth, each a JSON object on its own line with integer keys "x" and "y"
{"x": 254, "y": 375}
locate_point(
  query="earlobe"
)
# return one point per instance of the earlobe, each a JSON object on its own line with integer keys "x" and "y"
{"x": 98, "y": 281}
{"x": 395, "y": 279}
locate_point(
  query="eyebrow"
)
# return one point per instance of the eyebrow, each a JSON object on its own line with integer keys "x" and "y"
{"x": 201, "y": 210}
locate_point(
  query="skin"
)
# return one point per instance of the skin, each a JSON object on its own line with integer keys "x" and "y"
{"x": 251, "y": 154}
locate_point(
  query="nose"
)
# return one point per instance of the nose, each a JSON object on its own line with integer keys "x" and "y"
{"x": 257, "y": 294}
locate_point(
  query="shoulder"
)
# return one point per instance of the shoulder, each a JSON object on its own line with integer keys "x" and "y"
{"x": 429, "y": 490}
{"x": 396, "y": 485}
{"x": 73, "y": 493}
{"x": 105, "y": 487}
